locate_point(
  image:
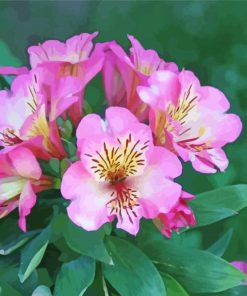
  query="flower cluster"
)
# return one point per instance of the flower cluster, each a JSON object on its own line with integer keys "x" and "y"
{"x": 126, "y": 162}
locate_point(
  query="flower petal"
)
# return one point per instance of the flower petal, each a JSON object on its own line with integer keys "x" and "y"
{"x": 88, "y": 208}
{"x": 26, "y": 203}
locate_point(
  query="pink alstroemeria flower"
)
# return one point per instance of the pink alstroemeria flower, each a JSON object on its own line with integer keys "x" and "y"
{"x": 123, "y": 73}
{"x": 20, "y": 179}
{"x": 75, "y": 58}
{"x": 120, "y": 173}
{"x": 190, "y": 119}
{"x": 241, "y": 265}
{"x": 29, "y": 111}
{"x": 180, "y": 216}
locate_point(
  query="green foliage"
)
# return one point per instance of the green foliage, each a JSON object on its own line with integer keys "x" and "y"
{"x": 33, "y": 253}
{"x": 75, "y": 277}
{"x": 198, "y": 271}
{"x": 173, "y": 288}
{"x": 86, "y": 243}
{"x": 220, "y": 246}
{"x": 132, "y": 273}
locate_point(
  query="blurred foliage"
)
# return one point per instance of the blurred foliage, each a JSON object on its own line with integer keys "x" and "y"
{"x": 208, "y": 37}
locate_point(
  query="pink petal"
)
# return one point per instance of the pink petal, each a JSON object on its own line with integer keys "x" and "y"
{"x": 25, "y": 163}
{"x": 63, "y": 95}
{"x": 171, "y": 166}
{"x": 50, "y": 50}
{"x": 26, "y": 203}
{"x": 119, "y": 119}
{"x": 81, "y": 45}
{"x": 13, "y": 70}
{"x": 213, "y": 99}
{"x": 131, "y": 226}
{"x": 210, "y": 161}
{"x": 89, "y": 198}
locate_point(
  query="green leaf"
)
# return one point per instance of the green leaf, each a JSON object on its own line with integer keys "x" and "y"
{"x": 75, "y": 277}
{"x": 9, "y": 246}
{"x": 232, "y": 197}
{"x": 88, "y": 243}
{"x": 237, "y": 291}
{"x": 173, "y": 288}
{"x": 33, "y": 253}
{"x": 132, "y": 272}
{"x": 208, "y": 215}
{"x": 197, "y": 271}
{"x": 219, "y": 247}
{"x": 219, "y": 204}
{"x": 8, "y": 290}
{"x": 42, "y": 291}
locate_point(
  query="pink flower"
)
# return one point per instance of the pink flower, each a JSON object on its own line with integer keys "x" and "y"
{"x": 29, "y": 111}
{"x": 180, "y": 216}
{"x": 190, "y": 119}
{"x": 120, "y": 173}
{"x": 73, "y": 58}
{"x": 123, "y": 73}
{"x": 241, "y": 265}
{"x": 20, "y": 179}
{"x": 13, "y": 70}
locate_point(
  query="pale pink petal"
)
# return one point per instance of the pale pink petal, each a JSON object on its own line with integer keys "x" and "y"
{"x": 78, "y": 47}
{"x": 154, "y": 186}
{"x": 163, "y": 87}
{"x": 88, "y": 208}
{"x": 145, "y": 61}
{"x": 119, "y": 119}
{"x": 213, "y": 99}
{"x": 25, "y": 163}
{"x": 114, "y": 85}
{"x": 90, "y": 127}
{"x": 8, "y": 208}
{"x": 210, "y": 161}
{"x": 171, "y": 166}
{"x": 130, "y": 222}
{"x": 63, "y": 95}
{"x": 50, "y": 50}
{"x": 226, "y": 130}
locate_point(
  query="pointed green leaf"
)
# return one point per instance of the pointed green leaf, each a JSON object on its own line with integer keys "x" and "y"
{"x": 219, "y": 247}
{"x": 7, "y": 247}
{"x": 208, "y": 215}
{"x": 75, "y": 277}
{"x": 33, "y": 253}
{"x": 173, "y": 288}
{"x": 132, "y": 272}
{"x": 89, "y": 243}
{"x": 219, "y": 204}
{"x": 197, "y": 271}
{"x": 232, "y": 197}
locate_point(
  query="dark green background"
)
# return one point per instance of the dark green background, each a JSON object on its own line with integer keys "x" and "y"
{"x": 208, "y": 37}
